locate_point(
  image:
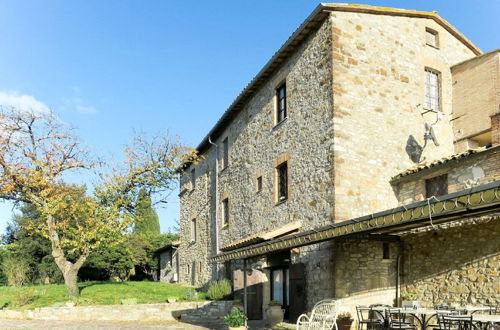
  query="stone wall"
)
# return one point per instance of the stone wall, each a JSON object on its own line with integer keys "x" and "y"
{"x": 455, "y": 264}
{"x": 476, "y": 90}
{"x": 197, "y": 203}
{"x": 475, "y": 170}
{"x": 378, "y": 83}
{"x": 355, "y": 89}
{"x": 169, "y": 266}
{"x": 255, "y": 143}
{"x": 187, "y": 311}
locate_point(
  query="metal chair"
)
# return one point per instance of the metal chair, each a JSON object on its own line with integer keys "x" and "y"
{"x": 397, "y": 320}
{"x": 323, "y": 316}
{"x": 456, "y": 322}
{"x": 367, "y": 317}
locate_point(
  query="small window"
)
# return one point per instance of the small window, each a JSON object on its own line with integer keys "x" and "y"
{"x": 187, "y": 269}
{"x": 225, "y": 212}
{"x": 431, "y": 37}
{"x": 437, "y": 186}
{"x": 259, "y": 184}
{"x": 432, "y": 90}
{"x": 193, "y": 230}
{"x": 199, "y": 267}
{"x": 225, "y": 153}
{"x": 280, "y": 103}
{"x": 193, "y": 179}
{"x": 386, "y": 251}
{"x": 282, "y": 172}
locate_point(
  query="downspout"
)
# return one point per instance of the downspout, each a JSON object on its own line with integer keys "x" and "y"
{"x": 398, "y": 271}
{"x": 216, "y": 203}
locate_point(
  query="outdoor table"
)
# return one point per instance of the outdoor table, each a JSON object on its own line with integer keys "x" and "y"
{"x": 472, "y": 309}
{"x": 485, "y": 320}
{"x": 422, "y": 315}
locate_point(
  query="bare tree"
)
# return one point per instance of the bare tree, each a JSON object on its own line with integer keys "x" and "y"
{"x": 36, "y": 152}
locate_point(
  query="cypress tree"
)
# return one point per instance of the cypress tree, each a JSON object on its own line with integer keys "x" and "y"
{"x": 147, "y": 219}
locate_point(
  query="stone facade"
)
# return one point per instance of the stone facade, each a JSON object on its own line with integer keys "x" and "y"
{"x": 476, "y": 86}
{"x": 378, "y": 70}
{"x": 475, "y": 170}
{"x": 169, "y": 265}
{"x": 457, "y": 265}
{"x": 355, "y": 94}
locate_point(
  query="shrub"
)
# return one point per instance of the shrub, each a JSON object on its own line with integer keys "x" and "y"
{"x": 409, "y": 296}
{"x": 25, "y": 297}
{"x": 345, "y": 317}
{"x": 191, "y": 295}
{"x": 16, "y": 270}
{"x": 236, "y": 319}
{"x": 219, "y": 290}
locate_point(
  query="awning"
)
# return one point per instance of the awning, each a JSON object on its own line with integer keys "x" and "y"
{"x": 474, "y": 201}
{"x": 263, "y": 236}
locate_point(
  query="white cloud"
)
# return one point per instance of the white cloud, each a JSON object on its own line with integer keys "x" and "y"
{"x": 22, "y": 102}
{"x": 77, "y": 103}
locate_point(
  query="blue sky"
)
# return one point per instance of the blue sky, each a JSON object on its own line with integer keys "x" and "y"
{"x": 112, "y": 67}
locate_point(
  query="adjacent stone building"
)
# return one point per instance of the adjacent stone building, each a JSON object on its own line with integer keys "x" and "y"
{"x": 297, "y": 172}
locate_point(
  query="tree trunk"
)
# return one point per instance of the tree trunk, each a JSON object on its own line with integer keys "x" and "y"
{"x": 70, "y": 279}
{"x": 68, "y": 269}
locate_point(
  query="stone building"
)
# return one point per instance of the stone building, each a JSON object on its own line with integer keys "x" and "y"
{"x": 308, "y": 177}
{"x": 168, "y": 263}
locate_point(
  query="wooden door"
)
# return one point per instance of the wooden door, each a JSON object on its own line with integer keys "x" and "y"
{"x": 254, "y": 291}
{"x": 297, "y": 278}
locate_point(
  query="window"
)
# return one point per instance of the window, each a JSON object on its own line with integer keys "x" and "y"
{"x": 259, "y": 184}
{"x": 282, "y": 172}
{"x": 199, "y": 267}
{"x": 431, "y": 37}
{"x": 385, "y": 251}
{"x": 225, "y": 153}
{"x": 280, "y": 103}
{"x": 193, "y": 179}
{"x": 437, "y": 186}
{"x": 432, "y": 90}
{"x": 225, "y": 212}
{"x": 187, "y": 269}
{"x": 193, "y": 230}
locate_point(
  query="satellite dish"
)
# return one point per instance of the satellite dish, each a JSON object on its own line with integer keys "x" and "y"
{"x": 433, "y": 136}
{"x": 430, "y": 134}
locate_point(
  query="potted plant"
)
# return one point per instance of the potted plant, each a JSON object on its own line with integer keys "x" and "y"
{"x": 236, "y": 320}
{"x": 409, "y": 300}
{"x": 275, "y": 313}
{"x": 344, "y": 321}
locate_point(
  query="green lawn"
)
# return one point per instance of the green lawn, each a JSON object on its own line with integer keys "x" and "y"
{"x": 92, "y": 293}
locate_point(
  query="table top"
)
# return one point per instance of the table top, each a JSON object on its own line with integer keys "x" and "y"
{"x": 486, "y": 318}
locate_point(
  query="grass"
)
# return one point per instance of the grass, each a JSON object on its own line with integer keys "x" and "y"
{"x": 92, "y": 293}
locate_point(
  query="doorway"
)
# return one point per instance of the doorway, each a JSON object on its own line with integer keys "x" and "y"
{"x": 280, "y": 288}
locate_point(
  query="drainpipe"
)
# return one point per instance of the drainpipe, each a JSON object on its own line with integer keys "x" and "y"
{"x": 245, "y": 299}
{"x": 216, "y": 204}
{"x": 398, "y": 271}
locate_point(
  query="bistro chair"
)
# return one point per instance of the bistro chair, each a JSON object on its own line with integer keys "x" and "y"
{"x": 456, "y": 322}
{"x": 378, "y": 314}
{"x": 397, "y": 320}
{"x": 439, "y": 315}
{"x": 367, "y": 316}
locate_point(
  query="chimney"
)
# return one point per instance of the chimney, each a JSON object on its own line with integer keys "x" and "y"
{"x": 495, "y": 128}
